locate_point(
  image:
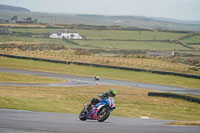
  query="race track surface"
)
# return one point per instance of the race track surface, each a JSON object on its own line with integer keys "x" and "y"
{"x": 15, "y": 121}
{"x": 83, "y": 81}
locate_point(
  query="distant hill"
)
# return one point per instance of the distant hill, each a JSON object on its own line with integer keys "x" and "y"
{"x": 176, "y": 21}
{"x": 139, "y": 21}
{"x": 7, "y": 12}
{"x": 13, "y": 9}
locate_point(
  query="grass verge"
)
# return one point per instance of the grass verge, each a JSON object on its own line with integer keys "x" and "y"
{"x": 185, "y": 123}
{"x": 102, "y": 72}
{"x": 21, "y": 78}
{"x": 130, "y": 102}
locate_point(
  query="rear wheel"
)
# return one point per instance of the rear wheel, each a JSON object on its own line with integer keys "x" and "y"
{"x": 82, "y": 115}
{"x": 103, "y": 114}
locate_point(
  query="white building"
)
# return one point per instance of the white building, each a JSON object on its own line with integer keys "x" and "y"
{"x": 66, "y": 34}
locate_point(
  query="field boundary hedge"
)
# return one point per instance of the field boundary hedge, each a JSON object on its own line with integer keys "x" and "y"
{"x": 105, "y": 66}
{"x": 172, "y": 95}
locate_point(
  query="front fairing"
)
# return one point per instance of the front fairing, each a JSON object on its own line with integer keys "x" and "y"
{"x": 109, "y": 101}
{"x": 92, "y": 114}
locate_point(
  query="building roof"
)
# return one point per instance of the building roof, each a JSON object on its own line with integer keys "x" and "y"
{"x": 63, "y": 31}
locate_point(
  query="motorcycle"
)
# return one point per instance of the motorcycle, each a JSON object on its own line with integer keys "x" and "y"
{"x": 100, "y": 111}
{"x": 96, "y": 77}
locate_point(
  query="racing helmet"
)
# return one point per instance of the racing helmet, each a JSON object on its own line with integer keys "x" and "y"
{"x": 112, "y": 92}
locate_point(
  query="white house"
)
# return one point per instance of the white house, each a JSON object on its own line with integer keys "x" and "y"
{"x": 65, "y": 34}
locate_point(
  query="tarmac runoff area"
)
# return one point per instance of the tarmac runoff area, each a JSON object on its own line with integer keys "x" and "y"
{"x": 21, "y": 121}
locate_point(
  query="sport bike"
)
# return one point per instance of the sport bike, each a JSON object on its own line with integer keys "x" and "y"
{"x": 100, "y": 111}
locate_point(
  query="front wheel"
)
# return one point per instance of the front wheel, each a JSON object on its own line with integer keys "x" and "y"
{"x": 103, "y": 114}
{"x": 82, "y": 115}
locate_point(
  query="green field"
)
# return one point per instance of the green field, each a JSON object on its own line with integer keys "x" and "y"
{"x": 11, "y": 39}
{"x": 106, "y": 39}
{"x": 103, "y": 44}
{"x": 130, "y": 102}
{"x": 35, "y": 30}
{"x": 112, "y": 34}
{"x": 132, "y": 45}
{"x": 129, "y": 35}
{"x": 127, "y": 61}
{"x": 121, "y": 43}
{"x": 102, "y": 72}
{"x": 193, "y": 39}
{"x": 21, "y": 78}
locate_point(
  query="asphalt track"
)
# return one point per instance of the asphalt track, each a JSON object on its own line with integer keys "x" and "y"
{"x": 85, "y": 81}
{"x": 19, "y": 121}
{"x": 15, "y": 121}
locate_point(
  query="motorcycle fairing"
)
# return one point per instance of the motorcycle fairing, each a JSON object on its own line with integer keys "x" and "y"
{"x": 92, "y": 114}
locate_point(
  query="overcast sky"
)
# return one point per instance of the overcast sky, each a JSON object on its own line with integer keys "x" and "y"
{"x": 176, "y": 9}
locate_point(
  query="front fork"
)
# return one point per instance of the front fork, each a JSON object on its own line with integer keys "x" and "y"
{"x": 86, "y": 107}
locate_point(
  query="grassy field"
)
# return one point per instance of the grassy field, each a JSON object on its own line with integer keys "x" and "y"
{"x": 130, "y": 102}
{"x": 132, "y": 61}
{"x": 102, "y": 72}
{"x": 129, "y": 35}
{"x": 23, "y": 25}
{"x": 160, "y": 46}
{"x": 103, "y": 44}
{"x": 193, "y": 39}
{"x": 29, "y": 26}
{"x": 113, "y": 34}
{"x": 20, "y": 40}
{"x": 120, "y": 40}
{"x": 21, "y": 78}
{"x": 35, "y": 30}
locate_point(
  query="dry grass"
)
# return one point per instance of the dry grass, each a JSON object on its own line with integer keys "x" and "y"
{"x": 185, "y": 123}
{"x": 23, "y": 25}
{"x": 130, "y": 102}
{"x": 29, "y": 26}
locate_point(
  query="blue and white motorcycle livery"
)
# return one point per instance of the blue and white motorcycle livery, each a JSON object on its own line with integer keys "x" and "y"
{"x": 100, "y": 111}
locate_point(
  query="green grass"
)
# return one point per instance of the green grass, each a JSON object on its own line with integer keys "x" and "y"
{"x": 21, "y": 78}
{"x": 193, "y": 39}
{"x": 113, "y": 34}
{"x": 129, "y": 35}
{"x": 29, "y": 40}
{"x": 102, "y": 72}
{"x": 130, "y": 102}
{"x": 35, "y": 30}
{"x": 129, "y": 61}
{"x": 12, "y": 38}
{"x": 131, "y": 45}
{"x": 93, "y": 44}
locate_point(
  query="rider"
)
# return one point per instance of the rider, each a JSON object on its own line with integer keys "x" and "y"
{"x": 96, "y": 77}
{"x": 105, "y": 95}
